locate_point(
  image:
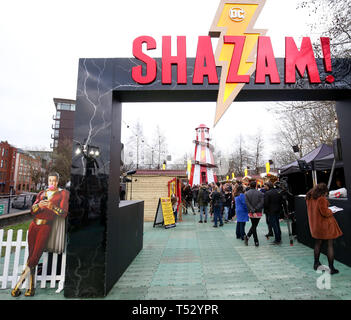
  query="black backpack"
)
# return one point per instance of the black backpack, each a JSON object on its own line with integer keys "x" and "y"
{"x": 205, "y": 196}
{"x": 217, "y": 199}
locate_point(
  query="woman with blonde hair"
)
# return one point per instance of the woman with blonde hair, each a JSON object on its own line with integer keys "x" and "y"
{"x": 323, "y": 225}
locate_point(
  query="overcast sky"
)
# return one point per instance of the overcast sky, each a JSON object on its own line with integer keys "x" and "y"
{"x": 41, "y": 42}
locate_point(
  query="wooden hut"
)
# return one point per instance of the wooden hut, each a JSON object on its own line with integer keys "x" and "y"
{"x": 150, "y": 185}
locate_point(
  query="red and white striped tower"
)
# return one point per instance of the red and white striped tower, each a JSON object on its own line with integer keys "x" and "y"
{"x": 202, "y": 166}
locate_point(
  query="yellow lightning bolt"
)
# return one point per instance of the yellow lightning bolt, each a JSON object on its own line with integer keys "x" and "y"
{"x": 235, "y": 18}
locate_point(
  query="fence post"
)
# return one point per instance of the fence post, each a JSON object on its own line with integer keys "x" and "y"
{"x": 7, "y": 258}
{"x": 17, "y": 256}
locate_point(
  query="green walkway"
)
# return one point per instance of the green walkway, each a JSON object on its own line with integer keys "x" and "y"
{"x": 197, "y": 261}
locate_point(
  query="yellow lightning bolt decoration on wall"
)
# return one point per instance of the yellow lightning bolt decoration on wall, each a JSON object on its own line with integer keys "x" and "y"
{"x": 235, "y": 18}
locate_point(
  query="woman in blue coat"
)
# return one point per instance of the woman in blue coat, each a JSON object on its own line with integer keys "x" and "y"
{"x": 242, "y": 215}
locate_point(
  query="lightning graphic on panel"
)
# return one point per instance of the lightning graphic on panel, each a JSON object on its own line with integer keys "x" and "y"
{"x": 235, "y": 18}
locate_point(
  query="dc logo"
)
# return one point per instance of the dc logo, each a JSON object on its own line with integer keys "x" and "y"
{"x": 237, "y": 14}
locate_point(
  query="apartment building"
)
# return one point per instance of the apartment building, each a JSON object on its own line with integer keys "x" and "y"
{"x": 7, "y": 168}
{"x": 63, "y": 121}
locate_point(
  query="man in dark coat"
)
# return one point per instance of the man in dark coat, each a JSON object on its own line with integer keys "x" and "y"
{"x": 189, "y": 198}
{"x": 272, "y": 207}
{"x": 203, "y": 200}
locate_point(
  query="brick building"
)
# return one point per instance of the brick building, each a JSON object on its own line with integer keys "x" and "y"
{"x": 7, "y": 167}
{"x": 64, "y": 121}
{"x": 26, "y": 167}
{"x": 46, "y": 163}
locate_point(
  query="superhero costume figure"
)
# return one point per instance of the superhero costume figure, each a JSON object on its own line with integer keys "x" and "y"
{"x": 49, "y": 204}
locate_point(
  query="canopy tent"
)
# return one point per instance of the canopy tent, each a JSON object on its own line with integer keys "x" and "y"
{"x": 326, "y": 163}
{"x": 318, "y": 156}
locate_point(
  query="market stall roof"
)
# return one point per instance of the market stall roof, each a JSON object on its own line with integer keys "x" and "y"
{"x": 319, "y": 153}
{"x": 326, "y": 163}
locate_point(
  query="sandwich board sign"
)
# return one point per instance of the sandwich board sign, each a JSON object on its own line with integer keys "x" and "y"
{"x": 164, "y": 214}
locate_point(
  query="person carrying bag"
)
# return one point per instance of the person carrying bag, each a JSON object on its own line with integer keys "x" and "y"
{"x": 254, "y": 202}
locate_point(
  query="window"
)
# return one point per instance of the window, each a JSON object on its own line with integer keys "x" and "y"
{"x": 3, "y": 151}
{"x": 58, "y": 115}
{"x": 57, "y": 124}
{"x": 66, "y": 106}
{"x": 2, "y": 164}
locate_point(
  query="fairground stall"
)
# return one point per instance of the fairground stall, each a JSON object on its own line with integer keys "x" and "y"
{"x": 324, "y": 164}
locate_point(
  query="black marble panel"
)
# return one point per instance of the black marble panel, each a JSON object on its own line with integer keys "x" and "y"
{"x": 125, "y": 239}
{"x": 343, "y": 110}
{"x": 90, "y": 193}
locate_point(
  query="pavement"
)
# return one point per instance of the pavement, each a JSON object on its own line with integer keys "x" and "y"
{"x": 195, "y": 261}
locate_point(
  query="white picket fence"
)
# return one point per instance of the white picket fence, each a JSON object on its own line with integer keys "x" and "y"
{"x": 15, "y": 260}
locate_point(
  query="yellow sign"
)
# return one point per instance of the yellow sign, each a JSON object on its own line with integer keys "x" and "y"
{"x": 246, "y": 172}
{"x": 189, "y": 168}
{"x": 268, "y": 167}
{"x": 233, "y": 175}
{"x": 164, "y": 214}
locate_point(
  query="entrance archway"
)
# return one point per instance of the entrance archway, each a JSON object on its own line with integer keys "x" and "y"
{"x": 104, "y": 235}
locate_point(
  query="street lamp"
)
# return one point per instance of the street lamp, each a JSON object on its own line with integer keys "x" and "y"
{"x": 130, "y": 173}
{"x": 90, "y": 153}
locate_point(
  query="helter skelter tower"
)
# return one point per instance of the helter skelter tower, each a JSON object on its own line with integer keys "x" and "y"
{"x": 202, "y": 166}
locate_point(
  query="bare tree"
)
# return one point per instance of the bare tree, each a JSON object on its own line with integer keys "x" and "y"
{"x": 62, "y": 159}
{"x": 332, "y": 18}
{"x": 159, "y": 147}
{"x": 37, "y": 176}
{"x": 257, "y": 154}
{"x": 305, "y": 124}
{"x": 240, "y": 158}
{"x": 127, "y": 167}
{"x": 134, "y": 147}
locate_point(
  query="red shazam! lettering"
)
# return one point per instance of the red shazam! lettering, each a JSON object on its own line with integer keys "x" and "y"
{"x": 265, "y": 62}
{"x": 302, "y": 60}
{"x": 233, "y": 76}
{"x": 179, "y": 60}
{"x": 325, "y": 42}
{"x": 151, "y": 66}
{"x": 204, "y": 55}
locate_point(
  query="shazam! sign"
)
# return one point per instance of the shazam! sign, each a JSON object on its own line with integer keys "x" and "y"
{"x": 241, "y": 51}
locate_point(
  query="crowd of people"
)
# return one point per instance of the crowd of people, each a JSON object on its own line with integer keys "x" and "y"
{"x": 238, "y": 201}
{"x": 245, "y": 200}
